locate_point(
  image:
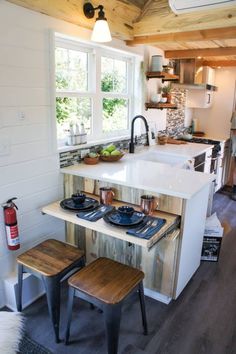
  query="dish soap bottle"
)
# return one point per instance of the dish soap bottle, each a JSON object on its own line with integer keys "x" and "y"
{"x": 83, "y": 134}
{"x": 77, "y": 135}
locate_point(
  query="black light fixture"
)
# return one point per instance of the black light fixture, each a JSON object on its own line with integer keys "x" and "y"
{"x": 101, "y": 32}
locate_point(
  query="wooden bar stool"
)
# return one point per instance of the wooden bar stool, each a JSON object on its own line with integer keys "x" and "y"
{"x": 50, "y": 261}
{"x": 106, "y": 283}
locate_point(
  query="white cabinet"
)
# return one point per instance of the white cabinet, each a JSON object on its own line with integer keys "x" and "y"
{"x": 202, "y": 97}
{"x": 199, "y": 98}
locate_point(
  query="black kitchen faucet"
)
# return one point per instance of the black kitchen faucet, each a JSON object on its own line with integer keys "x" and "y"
{"x": 131, "y": 144}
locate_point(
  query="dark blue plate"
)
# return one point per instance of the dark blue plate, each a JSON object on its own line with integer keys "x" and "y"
{"x": 115, "y": 218}
{"x": 88, "y": 204}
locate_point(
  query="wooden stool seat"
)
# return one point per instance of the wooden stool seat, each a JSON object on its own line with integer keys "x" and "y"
{"x": 50, "y": 257}
{"x": 106, "y": 283}
{"x": 106, "y": 280}
{"x": 51, "y": 261}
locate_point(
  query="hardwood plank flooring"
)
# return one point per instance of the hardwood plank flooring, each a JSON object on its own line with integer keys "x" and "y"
{"x": 201, "y": 321}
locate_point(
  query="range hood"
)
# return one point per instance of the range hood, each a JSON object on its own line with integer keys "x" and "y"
{"x": 193, "y": 75}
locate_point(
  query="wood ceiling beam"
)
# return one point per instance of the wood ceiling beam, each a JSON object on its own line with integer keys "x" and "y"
{"x": 159, "y": 19}
{"x": 190, "y": 36}
{"x": 120, "y": 14}
{"x": 217, "y": 63}
{"x": 194, "y": 53}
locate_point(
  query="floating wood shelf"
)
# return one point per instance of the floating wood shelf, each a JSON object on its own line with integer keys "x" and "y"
{"x": 150, "y": 105}
{"x": 161, "y": 75}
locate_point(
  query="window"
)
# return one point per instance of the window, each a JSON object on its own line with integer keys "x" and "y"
{"x": 114, "y": 88}
{"x": 93, "y": 87}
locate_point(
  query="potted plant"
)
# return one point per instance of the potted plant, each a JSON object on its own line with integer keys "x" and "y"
{"x": 166, "y": 92}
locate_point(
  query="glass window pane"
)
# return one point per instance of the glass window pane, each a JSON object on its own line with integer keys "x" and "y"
{"x": 71, "y": 70}
{"x": 72, "y": 110}
{"x": 115, "y": 114}
{"x": 113, "y": 75}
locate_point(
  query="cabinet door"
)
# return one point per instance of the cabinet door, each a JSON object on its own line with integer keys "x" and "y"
{"x": 199, "y": 98}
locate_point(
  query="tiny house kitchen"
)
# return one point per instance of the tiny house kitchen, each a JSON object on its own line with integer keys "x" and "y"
{"x": 116, "y": 156}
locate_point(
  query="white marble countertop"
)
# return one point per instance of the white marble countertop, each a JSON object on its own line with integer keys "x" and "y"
{"x": 188, "y": 150}
{"x": 152, "y": 176}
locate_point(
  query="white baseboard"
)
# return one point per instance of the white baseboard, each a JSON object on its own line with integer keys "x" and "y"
{"x": 157, "y": 296}
{"x": 32, "y": 289}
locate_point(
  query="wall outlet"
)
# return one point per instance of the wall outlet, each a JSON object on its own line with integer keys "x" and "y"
{"x": 84, "y": 152}
{"x": 21, "y": 115}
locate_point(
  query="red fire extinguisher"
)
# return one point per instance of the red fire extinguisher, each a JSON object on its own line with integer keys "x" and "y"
{"x": 12, "y": 233}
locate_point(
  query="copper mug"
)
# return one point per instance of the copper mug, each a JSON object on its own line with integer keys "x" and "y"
{"x": 106, "y": 195}
{"x": 148, "y": 204}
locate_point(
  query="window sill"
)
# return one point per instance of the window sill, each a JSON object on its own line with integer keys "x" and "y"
{"x": 92, "y": 143}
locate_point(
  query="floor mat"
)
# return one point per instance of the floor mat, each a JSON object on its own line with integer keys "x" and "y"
{"x": 29, "y": 346}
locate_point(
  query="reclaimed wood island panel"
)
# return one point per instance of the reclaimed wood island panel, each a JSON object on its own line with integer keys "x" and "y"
{"x": 170, "y": 262}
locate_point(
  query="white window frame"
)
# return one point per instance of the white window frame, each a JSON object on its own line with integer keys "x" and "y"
{"x": 94, "y": 85}
{"x": 130, "y": 88}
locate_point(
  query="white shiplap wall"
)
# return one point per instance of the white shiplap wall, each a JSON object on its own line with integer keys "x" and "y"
{"x": 30, "y": 170}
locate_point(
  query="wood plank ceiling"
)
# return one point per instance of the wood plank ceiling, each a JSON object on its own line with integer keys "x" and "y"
{"x": 210, "y": 34}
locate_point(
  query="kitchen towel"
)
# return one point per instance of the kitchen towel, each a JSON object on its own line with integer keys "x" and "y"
{"x": 95, "y": 214}
{"x": 149, "y": 227}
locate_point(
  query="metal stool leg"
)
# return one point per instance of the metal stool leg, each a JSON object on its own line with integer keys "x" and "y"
{"x": 19, "y": 290}
{"x": 52, "y": 286}
{"x": 69, "y": 313}
{"x": 112, "y": 317}
{"x": 143, "y": 310}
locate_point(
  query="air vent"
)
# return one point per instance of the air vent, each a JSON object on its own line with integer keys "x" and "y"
{"x": 181, "y": 6}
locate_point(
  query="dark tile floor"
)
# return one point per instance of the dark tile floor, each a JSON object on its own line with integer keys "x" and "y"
{"x": 201, "y": 320}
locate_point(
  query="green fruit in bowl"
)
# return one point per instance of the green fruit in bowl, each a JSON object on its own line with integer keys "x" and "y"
{"x": 110, "y": 148}
{"x": 115, "y": 153}
{"x": 106, "y": 153}
{"x": 93, "y": 154}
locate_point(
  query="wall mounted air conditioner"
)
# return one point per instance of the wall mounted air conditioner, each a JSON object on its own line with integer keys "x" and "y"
{"x": 181, "y": 6}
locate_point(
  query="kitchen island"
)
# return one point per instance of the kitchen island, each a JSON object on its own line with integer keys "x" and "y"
{"x": 170, "y": 260}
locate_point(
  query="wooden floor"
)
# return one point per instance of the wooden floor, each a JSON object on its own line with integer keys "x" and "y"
{"x": 201, "y": 320}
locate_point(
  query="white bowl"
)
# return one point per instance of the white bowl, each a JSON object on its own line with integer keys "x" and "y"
{"x": 163, "y": 99}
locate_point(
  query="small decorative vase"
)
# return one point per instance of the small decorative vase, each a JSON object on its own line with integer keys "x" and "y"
{"x": 155, "y": 98}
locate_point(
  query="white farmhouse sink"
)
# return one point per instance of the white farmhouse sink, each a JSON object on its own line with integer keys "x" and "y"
{"x": 171, "y": 160}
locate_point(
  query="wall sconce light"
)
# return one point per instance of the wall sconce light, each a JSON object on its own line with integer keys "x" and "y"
{"x": 101, "y": 32}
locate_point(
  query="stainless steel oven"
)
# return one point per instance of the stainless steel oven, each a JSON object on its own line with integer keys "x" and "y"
{"x": 199, "y": 165}
{"x": 199, "y": 162}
